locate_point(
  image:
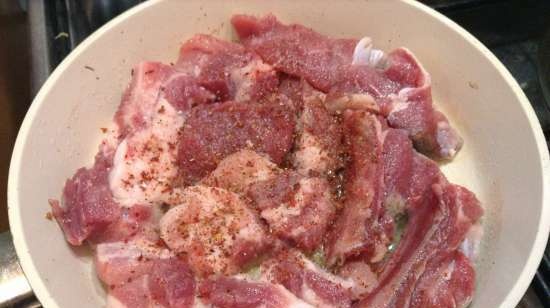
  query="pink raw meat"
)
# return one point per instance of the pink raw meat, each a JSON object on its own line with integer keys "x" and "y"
{"x": 308, "y": 281}
{"x": 141, "y": 96}
{"x": 448, "y": 281}
{"x": 295, "y": 49}
{"x": 402, "y": 89}
{"x": 385, "y": 177}
{"x": 208, "y": 70}
{"x": 226, "y": 69}
{"x": 144, "y": 274}
{"x": 298, "y": 209}
{"x": 433, "y": 232}
{"x": 133, "y": 222}
{"x": 236, "y": 292}
{"x": 317, "y": 149}
{"x": 87, "y": 207}
{"x": 213, "y": 132}
{"x": 214, "y": 230}
{"x": 363, "y": 227}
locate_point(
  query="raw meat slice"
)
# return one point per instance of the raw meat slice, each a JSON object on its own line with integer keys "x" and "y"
{"x": 208, "y": 70}
{"x": 397, "y": 83}
{"x": 140, "y": 98}
{"x": 136, "y": 222}
{"x": 360, "y": 273}
{"x": 434, "y": 231}
{"x": 308, "y": 281}
{"x": 385, "y": 177}
{"x": 144, "y": 274}
{"x": 183, "y": 92}
{"x": 449, "y": 282}
{"x": 412, "y": 109}
{"x": 213, "y": 132}
{"x": 215, "y": 231}
{"x": 145, "y": 163}
{"x": 240, "y": 170}
{"x": 87, "y": 207}
{"x": 295, "y": 49}
{"x": 363, "y": 227}
{"x": 402, "y": 92}
{"x": 298, "y": 209}
{"x": 226, "y": 69}
{"x": 238, "y": 292}
{"x": 318, "y": 145}
{"x": 425, "y": 172}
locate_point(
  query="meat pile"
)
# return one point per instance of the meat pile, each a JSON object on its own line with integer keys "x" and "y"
{"x": 276, "y": 172}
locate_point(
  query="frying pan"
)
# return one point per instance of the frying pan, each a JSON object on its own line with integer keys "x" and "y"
{"x": 504, "y": 159}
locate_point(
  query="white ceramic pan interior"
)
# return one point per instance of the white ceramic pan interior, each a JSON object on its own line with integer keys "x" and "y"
{"x": 504, "y": 159}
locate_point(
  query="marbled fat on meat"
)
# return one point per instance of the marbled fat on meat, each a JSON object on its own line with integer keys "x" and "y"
{"x": 238, "y": 171}
{"x": 308, "y": 281}
{"x": 297, "y": 209}
{"x": 141, "y": 273}
{"x": 208, "y": 70}
{"x": 317, "y": 148}
{"x": 215, "y": 231}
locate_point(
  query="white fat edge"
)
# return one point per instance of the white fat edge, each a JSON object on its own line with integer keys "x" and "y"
{"x": 163, "y": 129}
{"x": 310, "y": 155}
{"x": 237, "y": 163}
{"x": 448, "y": 139}
{"x": 198, "y": 303}
{"x": 380, "y": 134}
{"x": 399, "y": 101}
{"x": 292, "y": 300}
{"x": 365, "y": 54}
{"x": 142, "y": 100}
{"x": 113, "y": 302}
{"x": 355, "y": 101}
{"x": 243, "y": 78}
{"x": 346, "y": 283}
{"x": 131, "y": 250}
{"x": 308, "y": 295}
{"x": 281, "y": 214}
{"x": 470, "y": 247}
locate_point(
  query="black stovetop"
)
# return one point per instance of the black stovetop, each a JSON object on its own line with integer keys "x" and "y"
{"x": 516, "y": 31}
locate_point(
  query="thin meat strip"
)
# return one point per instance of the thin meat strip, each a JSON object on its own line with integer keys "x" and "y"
{"x": 363, "y": 228}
